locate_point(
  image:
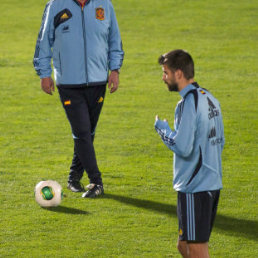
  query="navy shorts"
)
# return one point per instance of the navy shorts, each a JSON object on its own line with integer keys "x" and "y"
{"x": 196, "y": 214}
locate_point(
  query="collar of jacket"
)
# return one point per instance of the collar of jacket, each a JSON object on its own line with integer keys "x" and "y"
{"x": 86, "y": 2}
{"x": 189, "y": 87}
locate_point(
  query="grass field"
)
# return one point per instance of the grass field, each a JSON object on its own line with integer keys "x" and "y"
{"x": 137, "y": 215}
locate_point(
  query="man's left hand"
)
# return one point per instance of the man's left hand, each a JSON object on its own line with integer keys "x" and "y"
{"x": 157, "y": 118}
{"x": 113, "y": 81}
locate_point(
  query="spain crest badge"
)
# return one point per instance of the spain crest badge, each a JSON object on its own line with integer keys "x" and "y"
{"x": 100, "y": 13}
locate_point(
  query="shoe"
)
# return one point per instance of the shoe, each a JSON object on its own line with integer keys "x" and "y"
{"x": 94, "y": 191}
{"x": 75, "y": 186}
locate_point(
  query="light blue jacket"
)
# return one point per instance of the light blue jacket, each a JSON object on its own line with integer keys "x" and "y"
{"x": 84, "y": 43}
{"x": 197, "y": 141}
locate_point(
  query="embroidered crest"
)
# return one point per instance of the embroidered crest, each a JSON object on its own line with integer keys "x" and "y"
{"x": 100, "y": 13}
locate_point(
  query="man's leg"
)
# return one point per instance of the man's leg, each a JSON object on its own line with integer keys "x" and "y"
{"x": 76, "y": 169}
{"x": 95, "y": 98}
{"x": 76, "y": 108}
{"x": 193, "y": 250}
{"x": 76, "y": 174}
{"x": 183, "y": 248}
{"x": 198, "y": 250}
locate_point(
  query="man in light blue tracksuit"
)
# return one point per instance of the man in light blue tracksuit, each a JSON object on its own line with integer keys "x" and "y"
{"x": 83, "y": 39}
{"x": 197, "y": 142}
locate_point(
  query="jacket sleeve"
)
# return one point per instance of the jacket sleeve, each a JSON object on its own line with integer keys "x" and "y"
{"x": 43, "y": 50}
{"x": 181, "y": 140}
{"x": 115, "y": 52}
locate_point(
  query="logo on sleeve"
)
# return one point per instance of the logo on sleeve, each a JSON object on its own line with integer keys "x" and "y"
{"x": 212, "y": 133}
{"x": 100, "y": 13}
{"x": 213, "y": 111}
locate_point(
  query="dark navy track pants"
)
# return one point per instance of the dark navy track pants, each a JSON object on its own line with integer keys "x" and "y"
{"x": 83, "y": 107}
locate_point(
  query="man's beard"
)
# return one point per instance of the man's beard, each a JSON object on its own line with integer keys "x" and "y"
{"x": 173, "y": 86}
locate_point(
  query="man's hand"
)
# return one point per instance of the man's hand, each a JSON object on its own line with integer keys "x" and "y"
{"x": 160, "y": 124}
{"x": 157, "y": 118}
{"x": 113, "y": 81}
{"x": 47, "y": 85}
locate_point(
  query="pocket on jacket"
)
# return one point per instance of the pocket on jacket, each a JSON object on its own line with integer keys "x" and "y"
{"x": 57, "y": 63}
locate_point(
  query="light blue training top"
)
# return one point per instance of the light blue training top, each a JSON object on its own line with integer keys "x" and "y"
{"x": 84, "y": 43}
{"x": 197, "y": 141}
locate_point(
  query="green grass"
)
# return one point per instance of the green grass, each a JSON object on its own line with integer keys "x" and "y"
{"x": 137, "y": 216}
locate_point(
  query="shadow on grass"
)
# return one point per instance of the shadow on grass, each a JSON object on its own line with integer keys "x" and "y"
{"x": 245, "y": 228}
{"x": 67, "y": 210}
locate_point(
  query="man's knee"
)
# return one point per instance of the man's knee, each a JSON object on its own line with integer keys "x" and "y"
{"x": 82, "y": 135}
{"x": 182, "y": 248}
{"x": 198, "y": 250}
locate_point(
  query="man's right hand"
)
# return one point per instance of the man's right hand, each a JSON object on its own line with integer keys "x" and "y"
{"x": 47, "y": 85}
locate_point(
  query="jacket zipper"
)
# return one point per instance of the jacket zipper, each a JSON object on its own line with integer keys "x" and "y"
{"x": 84, "y": 39}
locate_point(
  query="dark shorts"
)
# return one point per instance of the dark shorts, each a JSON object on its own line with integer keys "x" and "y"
{"x": 196, "y": 214}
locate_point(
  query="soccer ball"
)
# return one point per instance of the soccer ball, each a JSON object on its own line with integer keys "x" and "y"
{"x": 48, "y": 193}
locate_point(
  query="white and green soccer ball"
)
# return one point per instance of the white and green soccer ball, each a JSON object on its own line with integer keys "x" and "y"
{"x": 48, "y": 193}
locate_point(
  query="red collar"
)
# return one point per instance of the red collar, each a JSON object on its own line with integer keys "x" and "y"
{"x": 82, "y": 4}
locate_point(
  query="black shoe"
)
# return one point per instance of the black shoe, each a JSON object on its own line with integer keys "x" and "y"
{"x": 94, "y": 191}
{"x": 75, "y": 186}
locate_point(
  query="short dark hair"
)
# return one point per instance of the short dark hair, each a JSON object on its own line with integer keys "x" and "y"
{"x": 178, "y": 60}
